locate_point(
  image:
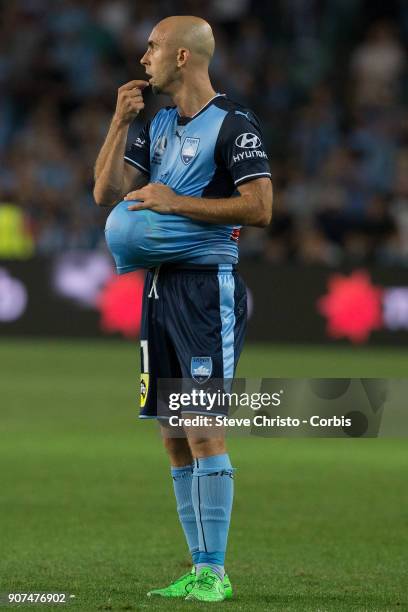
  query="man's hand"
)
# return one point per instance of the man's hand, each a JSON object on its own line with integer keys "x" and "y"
{"x": 129, "y": 102}
{"x": 155, "y": 196}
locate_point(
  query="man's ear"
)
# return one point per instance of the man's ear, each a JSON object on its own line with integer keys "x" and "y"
{"x": 182, "y": 57}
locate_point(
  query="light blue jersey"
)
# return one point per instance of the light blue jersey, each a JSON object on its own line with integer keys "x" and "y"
{"x": 208, "y": 155}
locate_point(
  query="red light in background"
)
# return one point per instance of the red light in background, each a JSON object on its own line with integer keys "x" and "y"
{"x": 120, "y": 304}
{"x": 353, "y": 307}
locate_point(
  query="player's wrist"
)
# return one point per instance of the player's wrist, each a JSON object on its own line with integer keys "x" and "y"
{"x": 175, "y": 203}
{"x": 121, "y": 122}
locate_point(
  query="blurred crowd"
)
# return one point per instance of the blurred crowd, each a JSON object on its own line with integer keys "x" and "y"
{"x": 328, "y": 80}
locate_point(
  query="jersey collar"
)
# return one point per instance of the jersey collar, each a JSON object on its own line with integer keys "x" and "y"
{"x": 184, "y": 120}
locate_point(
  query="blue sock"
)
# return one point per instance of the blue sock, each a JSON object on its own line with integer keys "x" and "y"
{"x": 212, "y": 492}
{"x": 182, "y": 483}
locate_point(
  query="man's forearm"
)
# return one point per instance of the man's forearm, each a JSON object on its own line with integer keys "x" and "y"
{"x": 223, "y": 210}
{"x": 109, "y": 166}
{"x": 228, "y": 211}
{"x": 252, "y": 207}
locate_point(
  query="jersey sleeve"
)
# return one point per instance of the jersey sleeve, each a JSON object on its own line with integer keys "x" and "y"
{"x": 240, "y": 147}
{"x": 137, "y": 152}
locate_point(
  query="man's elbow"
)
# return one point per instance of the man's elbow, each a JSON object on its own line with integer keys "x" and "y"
{"x": 264, "y": 216}
{"x": 102, "y": 198}
{"x": 98, "y": 195}
{"x": 264, "y": 207}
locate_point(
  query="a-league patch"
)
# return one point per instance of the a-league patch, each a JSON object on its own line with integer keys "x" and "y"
{"x": 144, "y": 389}
{"x": 201, "y": 369}
{"x": 189, "y": 149}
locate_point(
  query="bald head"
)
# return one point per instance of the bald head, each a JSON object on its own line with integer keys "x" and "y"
{"x": 179, "y": 51}
{"x": 192, "y": 33}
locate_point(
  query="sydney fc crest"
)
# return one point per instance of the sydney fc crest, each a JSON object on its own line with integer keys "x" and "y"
{"x": 189, "y": 149}
{"x": 201, "y": 369}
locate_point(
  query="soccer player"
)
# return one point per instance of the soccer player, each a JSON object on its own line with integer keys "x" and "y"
{"x": 196, "y": 173}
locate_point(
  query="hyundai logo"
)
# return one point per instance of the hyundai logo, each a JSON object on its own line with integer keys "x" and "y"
{"x": 248, "y": 141}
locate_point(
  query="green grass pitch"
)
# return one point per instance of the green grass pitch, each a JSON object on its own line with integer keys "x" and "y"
{"x": 86, "y": 502}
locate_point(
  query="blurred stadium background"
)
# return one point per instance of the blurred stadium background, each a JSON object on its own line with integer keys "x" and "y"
{"x": 329, "y": 82}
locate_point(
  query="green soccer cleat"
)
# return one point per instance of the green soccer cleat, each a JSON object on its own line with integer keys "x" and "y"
{"x": 227, "y": 587}
{"x": 183, "y": 585}
{"x": 207, "y": 587}
{"x": 179, "y": 588}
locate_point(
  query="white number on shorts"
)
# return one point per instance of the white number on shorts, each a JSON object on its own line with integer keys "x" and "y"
{"x": 144, "y": 366}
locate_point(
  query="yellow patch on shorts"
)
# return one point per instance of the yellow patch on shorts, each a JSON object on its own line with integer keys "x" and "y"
{"x": 144, "y": 389}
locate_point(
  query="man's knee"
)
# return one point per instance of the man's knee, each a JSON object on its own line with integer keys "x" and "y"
{"x": 205, "y": 447}
{"x": 178, "y": 451}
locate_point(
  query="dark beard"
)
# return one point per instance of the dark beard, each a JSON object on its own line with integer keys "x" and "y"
{"x": 156, "y": 90}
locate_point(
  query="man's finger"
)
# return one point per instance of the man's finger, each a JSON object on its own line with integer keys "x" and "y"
{"x": 139, "y": 206}
{"x": 134, "y": 94}
{"x": 135, "y": 195}
{"x": 134, "y": 84}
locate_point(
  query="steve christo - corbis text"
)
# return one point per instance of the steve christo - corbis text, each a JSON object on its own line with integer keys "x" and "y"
{"x": 258, "y": 420}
